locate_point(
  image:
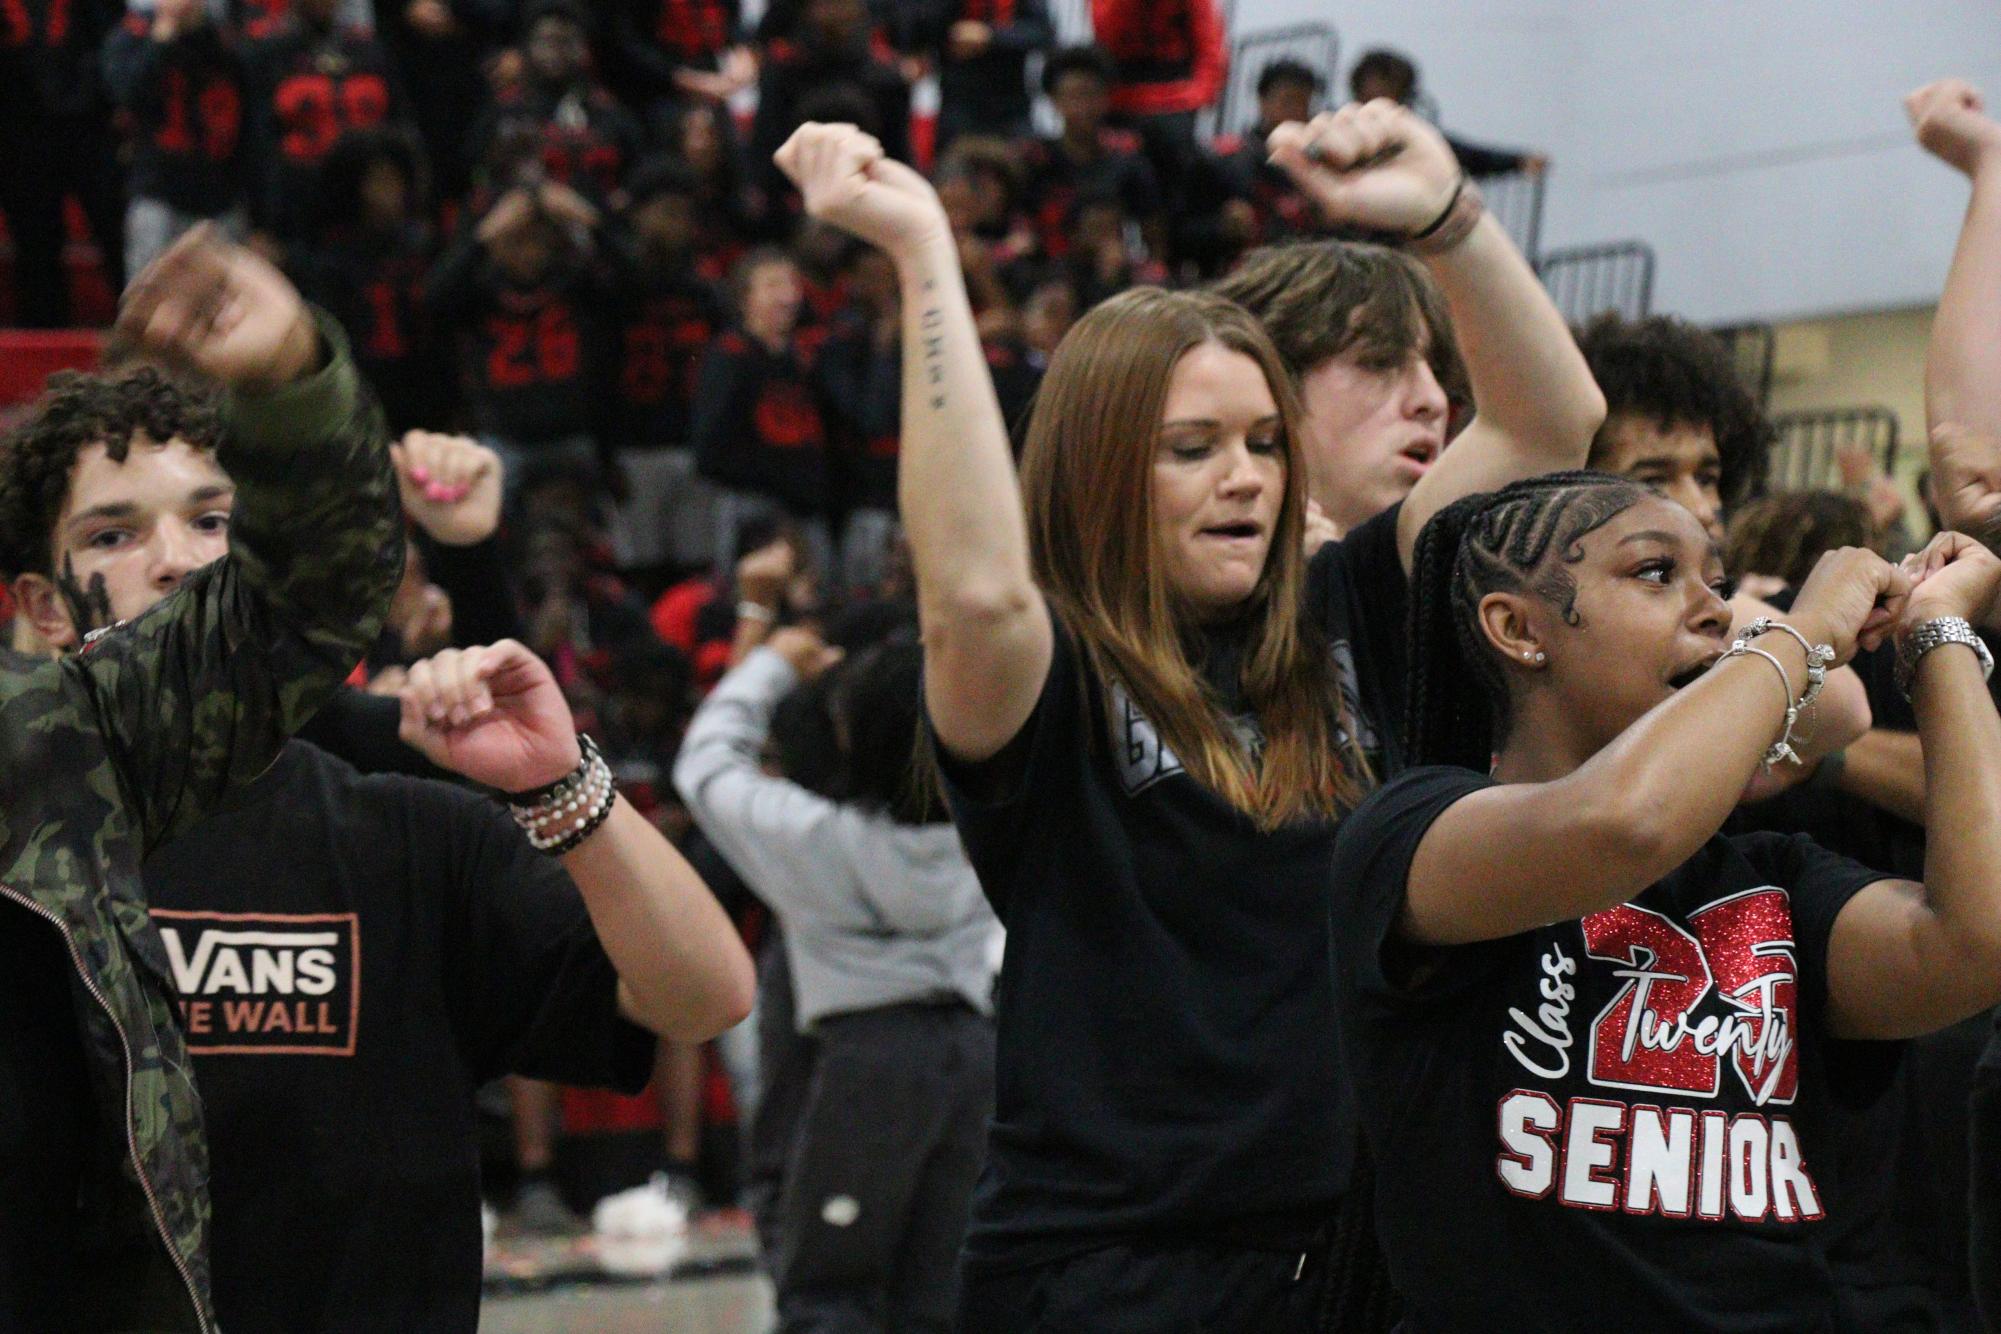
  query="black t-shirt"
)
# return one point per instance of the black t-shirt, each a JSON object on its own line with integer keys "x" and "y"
{"x": 1358, "y": 593}
{"x": 46, "y": 1118}
{"x": 1166, "y": 1063}
{"x": 1557, "y": 1149}
{"x": 355, "y": 955}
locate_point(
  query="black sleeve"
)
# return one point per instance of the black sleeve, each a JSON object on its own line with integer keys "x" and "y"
{"x": 475, "y": 578}
{"x": 530, "y": 989}
{"x": 362, "y": 729}
{"x": 1372, "y": 857}
{"x": 1820, "y": 884}
{"x": 990, "y": 798}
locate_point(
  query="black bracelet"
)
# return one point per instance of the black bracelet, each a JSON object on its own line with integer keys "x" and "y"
{"x": 1458, "y": 188}
{"x": 536, "y": 796}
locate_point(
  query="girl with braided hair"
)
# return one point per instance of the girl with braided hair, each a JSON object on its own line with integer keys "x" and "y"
{"x": 1606, "y": 1034}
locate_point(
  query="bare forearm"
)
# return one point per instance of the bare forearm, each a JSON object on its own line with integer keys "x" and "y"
{"x": 1528, "y": 853}
{"x": 682, "y": 970}
{"x": 1961, "y": 737}
{"x": 1960, "y": 386}
{"x": 956, "y": 484}
{"x": 1887, "y": 770}
{"x": 1529, "y": 379}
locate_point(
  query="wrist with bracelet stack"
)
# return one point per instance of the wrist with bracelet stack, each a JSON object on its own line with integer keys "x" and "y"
{"x": 559, "y": 816}
{"x": 1937, "y": 633}
{"x": 1818, "y": 658}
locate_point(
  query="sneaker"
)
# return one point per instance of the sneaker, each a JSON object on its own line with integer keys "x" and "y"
{"x": 641, "y": 1232}
{"x": 539, "y": 1208}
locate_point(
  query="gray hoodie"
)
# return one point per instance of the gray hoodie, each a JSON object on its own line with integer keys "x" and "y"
{"x": 875, "y": 912}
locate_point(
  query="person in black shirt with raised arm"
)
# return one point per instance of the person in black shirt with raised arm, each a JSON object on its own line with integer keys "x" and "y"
{"x": 1146, "y": 747}
{"x": 1608, "y": 1034}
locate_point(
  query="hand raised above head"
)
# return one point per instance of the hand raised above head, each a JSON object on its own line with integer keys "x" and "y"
{"x": 1952, "y": 124}
{"x": 846, "y": 179}
{"x": 1374, "y": 164}
{"x": 220, "y": 310}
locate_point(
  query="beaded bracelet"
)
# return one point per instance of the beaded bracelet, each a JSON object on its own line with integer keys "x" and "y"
{"x": 587, "y": 790}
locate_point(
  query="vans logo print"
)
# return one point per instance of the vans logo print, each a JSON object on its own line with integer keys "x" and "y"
{"x": 266, "y": 984}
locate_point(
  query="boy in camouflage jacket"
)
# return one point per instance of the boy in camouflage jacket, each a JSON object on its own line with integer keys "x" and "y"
{"x": 107, "y": 753}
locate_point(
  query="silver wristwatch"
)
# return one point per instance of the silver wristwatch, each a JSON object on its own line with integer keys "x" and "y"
{"x": 1933, "y": 633}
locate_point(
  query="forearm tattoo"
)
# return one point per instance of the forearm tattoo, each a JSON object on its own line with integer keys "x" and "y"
{"x": 931, "y": 336}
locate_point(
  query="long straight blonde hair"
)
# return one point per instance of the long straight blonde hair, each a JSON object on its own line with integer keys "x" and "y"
{"x": 1087, "y": 481}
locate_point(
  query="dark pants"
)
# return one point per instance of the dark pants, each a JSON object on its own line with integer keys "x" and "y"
{"x": 1153, "y": 1288}
{"x": 784, "y": 1077}
{"x": 40, "y": 164}
{"x": 1985, "y": 1192}
{"x": 887, "y": 1148}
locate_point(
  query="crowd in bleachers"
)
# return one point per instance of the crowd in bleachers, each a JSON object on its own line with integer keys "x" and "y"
{"x": 560, "y": 249}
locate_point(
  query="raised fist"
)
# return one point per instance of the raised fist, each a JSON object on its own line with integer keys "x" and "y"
{"x": 222, "y": 311}
{"x": 846, "y": 180}
{"x": 1952, "y": 124}
{"x": 1377, "y": 165}
{"x": 494, "y": 715}
{"x": 1953, "y": 576}
{"x": 450, "y": 485}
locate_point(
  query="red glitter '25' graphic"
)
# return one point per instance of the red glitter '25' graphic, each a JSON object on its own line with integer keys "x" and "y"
{"x": 1650, "y": 1036}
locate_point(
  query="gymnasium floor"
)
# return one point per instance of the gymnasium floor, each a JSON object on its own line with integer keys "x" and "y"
{"x": 548, "y": 1287}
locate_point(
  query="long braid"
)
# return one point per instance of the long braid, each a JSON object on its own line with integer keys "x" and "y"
{"x": 1498, "y": 542}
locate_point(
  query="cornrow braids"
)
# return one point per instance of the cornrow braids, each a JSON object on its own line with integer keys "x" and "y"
{"x": 1522, "y": 538}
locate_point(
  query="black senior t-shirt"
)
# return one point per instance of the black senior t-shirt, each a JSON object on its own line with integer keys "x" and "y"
{"x": 355, "y": 955}
{"x": 1606, "y": 1123}
{"x": 1165, "y": 1060}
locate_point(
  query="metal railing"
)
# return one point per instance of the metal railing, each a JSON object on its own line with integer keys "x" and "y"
{"x": 1586, "y": 281}
{"x": 1515, "y": 200}
{"x": 1806, "y": 454}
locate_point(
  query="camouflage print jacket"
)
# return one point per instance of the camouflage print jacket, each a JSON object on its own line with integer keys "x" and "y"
{"x": 110, "y": 752}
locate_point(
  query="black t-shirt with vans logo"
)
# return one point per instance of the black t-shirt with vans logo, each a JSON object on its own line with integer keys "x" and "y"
{"x": 355, "y": 956}
{"x": 1610, "y": 1123}
{"x": 1165, "y": 1009}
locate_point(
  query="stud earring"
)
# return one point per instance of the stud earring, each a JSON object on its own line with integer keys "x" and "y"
{"x": 1541, "y": 657}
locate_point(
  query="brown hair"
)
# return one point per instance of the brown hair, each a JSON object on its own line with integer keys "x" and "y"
{"x": 1319, "y": 299}
{"x": 1784, "y": 535}
{"x": 1087, "y": 478}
